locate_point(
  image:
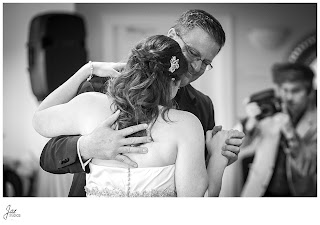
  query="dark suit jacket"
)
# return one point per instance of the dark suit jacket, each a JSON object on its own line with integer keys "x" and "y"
{"x": 60, "y": 154}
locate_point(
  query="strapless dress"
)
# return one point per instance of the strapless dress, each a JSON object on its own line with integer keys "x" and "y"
{"x": 103, "y": 181}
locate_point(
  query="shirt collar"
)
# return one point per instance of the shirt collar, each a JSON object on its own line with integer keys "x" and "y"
{"x": 189, "y": 90}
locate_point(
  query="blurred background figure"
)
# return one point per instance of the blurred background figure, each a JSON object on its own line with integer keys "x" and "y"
{"x": 279, "y": 154}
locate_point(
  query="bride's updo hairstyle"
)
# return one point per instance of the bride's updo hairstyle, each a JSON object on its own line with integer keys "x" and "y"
{"x": 146, "y": 81}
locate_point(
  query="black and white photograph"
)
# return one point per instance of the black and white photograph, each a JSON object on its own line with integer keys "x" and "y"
{"x": 176, "y": 112}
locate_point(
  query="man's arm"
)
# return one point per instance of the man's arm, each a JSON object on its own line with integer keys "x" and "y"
{"x": 60, "y": 156}
{"x": 60, "y": 153}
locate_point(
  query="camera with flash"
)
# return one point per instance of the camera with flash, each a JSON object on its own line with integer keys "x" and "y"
{"x": 267, "y": 101}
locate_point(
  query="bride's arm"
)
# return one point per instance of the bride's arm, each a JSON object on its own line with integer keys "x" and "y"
{"x": 78, "y": 116}
{"x": 68, "y": 89}
{"x": 217, "y": 162}
{"x": 43, "y": 121}
{"x": 190, "y": 175}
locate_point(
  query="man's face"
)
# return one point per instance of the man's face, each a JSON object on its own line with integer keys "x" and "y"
{"x": 198, "y": 48}
{"x": 294, "y": 95}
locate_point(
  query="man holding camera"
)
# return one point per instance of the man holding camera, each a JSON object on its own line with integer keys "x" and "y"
{"x": 284, "y": 143}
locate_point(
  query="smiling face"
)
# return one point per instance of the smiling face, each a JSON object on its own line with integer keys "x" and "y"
{"x": 199, "y": 49}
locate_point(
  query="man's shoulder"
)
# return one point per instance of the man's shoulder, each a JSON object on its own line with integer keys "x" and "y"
{"x": 198, "y": 94}
{"x": 96, "y": 84}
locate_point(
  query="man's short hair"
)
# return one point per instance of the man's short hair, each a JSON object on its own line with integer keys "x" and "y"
{"x": 292, "y": 72}
{"x": 200, "y": 18}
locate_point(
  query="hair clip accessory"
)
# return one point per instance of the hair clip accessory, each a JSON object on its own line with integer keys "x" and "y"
{"x": 174, "y": 64}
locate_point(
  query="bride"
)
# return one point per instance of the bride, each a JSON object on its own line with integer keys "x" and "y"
{"x": 143, "y": 93}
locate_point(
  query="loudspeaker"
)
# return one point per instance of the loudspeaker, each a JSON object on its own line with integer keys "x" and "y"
{"x": 56, "y": 50}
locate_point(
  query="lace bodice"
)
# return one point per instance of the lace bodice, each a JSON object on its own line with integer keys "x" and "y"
{"x": 105, "y": 181}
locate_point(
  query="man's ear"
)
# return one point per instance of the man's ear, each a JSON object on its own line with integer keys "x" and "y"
{"x": 172, "y": 33}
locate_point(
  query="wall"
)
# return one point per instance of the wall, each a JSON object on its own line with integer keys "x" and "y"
{"x": 251, "y": 65}
{"x": 20, "y": 141}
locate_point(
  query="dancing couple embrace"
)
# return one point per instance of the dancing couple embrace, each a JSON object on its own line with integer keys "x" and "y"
{"x": 149, "y": 118}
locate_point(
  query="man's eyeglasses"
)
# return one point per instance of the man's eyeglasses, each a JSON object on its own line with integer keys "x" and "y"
{"x": 194, "y": 55}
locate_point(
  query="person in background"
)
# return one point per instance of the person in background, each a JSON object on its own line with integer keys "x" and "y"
{"x": 284, "y": 144}
{"x": 201, "y": 38}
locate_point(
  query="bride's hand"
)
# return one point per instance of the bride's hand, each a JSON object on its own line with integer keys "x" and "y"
{"x": 107, "y": 69}
{"x": 215, "y": 142}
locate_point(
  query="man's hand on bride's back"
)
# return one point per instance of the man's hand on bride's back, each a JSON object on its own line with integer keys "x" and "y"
{"x": 105, "y": 143}
{"x": 107, "y": 69}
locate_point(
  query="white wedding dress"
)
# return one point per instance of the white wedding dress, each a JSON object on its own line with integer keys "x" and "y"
{"x": 103, "y": 181}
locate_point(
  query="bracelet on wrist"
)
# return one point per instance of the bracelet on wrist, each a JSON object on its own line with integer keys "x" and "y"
{"x": 91, "y": 71}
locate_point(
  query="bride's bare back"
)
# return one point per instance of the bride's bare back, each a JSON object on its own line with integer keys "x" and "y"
{"x": 168, "y": 136}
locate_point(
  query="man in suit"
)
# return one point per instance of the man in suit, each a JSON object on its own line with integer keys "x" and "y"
{"x": 201, "y": 37}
